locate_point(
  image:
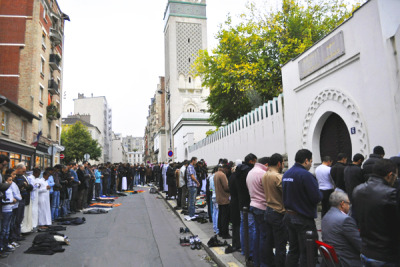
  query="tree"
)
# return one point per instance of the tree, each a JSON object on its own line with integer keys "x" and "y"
{"x": 244, "y": 70}
{"x": 77, "y": 142}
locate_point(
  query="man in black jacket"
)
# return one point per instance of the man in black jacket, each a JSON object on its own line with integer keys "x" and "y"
{"x": 378, "y": 153}
{"x": 244, "y": 199}
{"x": 337, "y": 171}
{"x": 353, "y": 175}
{"x": 376, "y": 212}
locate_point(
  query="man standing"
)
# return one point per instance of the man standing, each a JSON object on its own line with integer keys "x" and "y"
{"x": 325, "y": 182}
{"x": 192, "y": 184}
{"x": 337, "y": 171}
{"x": 222, "y": 198}
{"x": 244, "y": 199}
{"x": 301, "y": 197}
{"x": 4, "y": 160}
{"x": 257, "y": 208}
{"x": 275, "y": 228}
{"x": 182, "y": 188}
{"x": 376, "y": 212}
{"x": 353, "y": 175}
{"x": 25, "y": 189}
{"x": 44, "y": 200}
{"x": 340, "y": 231}
{"x": 378, "y": 153}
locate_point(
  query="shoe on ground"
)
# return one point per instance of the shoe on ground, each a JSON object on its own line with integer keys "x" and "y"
{"x": 181, "y": 230}
{"x": 186, "y": 230}
{"x": 15, "y": 244}
{"x": 9, "y": 248}
{"x": 192, "y": 243}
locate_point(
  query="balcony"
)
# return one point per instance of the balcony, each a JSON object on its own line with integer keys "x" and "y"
{"x": 54, "y": 61}
{"x": 56, "y": 36}
{"x": 53, "y": 87}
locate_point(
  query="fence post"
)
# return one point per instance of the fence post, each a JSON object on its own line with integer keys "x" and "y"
{"x": 310, "y": 246}
{"x": 246, "y": 234}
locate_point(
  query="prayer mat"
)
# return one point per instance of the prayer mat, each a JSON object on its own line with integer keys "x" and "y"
{"x": 51, "y": 228}
{"x": 105, "y": 205}
{"x": 95, "y": 211}
{"x": 107, "y": 198}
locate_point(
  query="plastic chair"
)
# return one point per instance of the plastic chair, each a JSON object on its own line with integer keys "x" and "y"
{"x": 328, "y": 254}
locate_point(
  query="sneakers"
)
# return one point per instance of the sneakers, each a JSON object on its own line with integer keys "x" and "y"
{"x": 15, "y": 244}
{"x": 184, "y": 241}
{"x": 195, "y": 242}
{"x": 184, "y": 230}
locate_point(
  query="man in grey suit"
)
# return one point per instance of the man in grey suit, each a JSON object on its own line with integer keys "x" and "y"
{"x": 340, "y": 230}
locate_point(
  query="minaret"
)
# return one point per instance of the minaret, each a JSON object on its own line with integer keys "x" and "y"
{"x": 185, "y": 33}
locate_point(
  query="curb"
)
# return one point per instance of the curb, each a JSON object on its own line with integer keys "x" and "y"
{"x": 209, "y": 251}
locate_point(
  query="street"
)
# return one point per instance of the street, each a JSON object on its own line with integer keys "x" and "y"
{"x": 143, "y": 231}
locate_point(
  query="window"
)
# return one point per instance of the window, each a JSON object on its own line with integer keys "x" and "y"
{"x": 188, "y": 40}
{"x": 49, "y": 129}
{"x": 44, "y": 13}
{"x": 189, "y": 60}
{"x": 190, "y": 79}
{"x": 44, "y": 40}
{"x": 42, "y": 66}
{"x": 41, "y": 93}
{"x": 23, "y": 129}
{"x": 4, "y": 122}
{"x": 40, "y": 122}
{"x": 58, "y": 133}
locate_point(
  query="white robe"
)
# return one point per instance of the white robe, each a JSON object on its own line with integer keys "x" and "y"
{"x": 35, "y": 203}
{"x": 124, "y": 185}
{"x": 164, "y": 176}
{"x": 26, "y": 225}
{"x": 44, "y": 203}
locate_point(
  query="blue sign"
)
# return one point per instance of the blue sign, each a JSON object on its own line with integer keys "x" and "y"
{"x": 170, "y": 153}
{"x": 353, "y": 130}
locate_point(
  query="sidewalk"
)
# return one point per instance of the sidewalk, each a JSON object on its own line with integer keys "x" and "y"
{"x": 205, "y": 232}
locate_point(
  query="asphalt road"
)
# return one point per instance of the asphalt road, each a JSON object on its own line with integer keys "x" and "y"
{"x": 143, "y": 231}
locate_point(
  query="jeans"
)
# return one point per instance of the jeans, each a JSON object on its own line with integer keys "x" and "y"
{"x": 55, "y": 204}
{"x": 252, "y": 232}
{"x": 69, "y": 199}
{"x": 276, "y": 238}
{"x": 297, "y": 226}
{"x": 223, "y": 220}
{"x": 260, "y": 237}
{"x": 368, "y": 262}
{"x": 136, "y": 180}
{"x": 64, "y": 207}
{"x": 215, "y": 216}
{"x": 19, "y": 218}
{"x": 192, "y": 200}
{"x": 5, "y": 229}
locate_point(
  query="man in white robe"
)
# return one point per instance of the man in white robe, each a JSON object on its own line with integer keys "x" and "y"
{"x": 35, "y": 197}
{"x": 44, "y": 213}
{"x": 26, "y": 225}
{"x": 164, "y": 176}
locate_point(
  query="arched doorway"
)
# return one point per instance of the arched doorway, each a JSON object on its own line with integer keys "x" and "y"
{"x": 335, "y": 138}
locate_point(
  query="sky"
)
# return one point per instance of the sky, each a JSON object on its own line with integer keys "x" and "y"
{"x": 116, "y": 49}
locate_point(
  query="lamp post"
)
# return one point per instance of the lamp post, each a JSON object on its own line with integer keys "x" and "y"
{"x": 161, "y": 91}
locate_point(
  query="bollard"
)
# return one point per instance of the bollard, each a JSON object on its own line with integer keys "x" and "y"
{"x": 246, "y": 234}
{"x": 310, "y": 246}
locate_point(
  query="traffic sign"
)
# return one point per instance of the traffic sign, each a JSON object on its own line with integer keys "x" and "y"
{"x": 61, "y": 156}
{"x": 170, "y": 153}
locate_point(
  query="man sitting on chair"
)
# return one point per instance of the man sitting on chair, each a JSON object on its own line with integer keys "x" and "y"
{"x": 340, "y": 230}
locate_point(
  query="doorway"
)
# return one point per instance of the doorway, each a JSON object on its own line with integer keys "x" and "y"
{"x": 335, "y": 138}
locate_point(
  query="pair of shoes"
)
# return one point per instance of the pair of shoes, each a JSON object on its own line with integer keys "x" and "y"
{"x": 184, "y": 241}
{"x": 9, "y": 248}
{"x": 15, "y": 244}
{"x": 195, "y": 242}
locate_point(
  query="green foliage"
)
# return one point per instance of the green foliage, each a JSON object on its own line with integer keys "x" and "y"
{"x": 244, "y": 70}
{"x": 77, "y": 142}
{"x": 210, "y": 132}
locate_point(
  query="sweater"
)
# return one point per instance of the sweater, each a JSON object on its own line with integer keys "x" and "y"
{"x": 256, "y": 189}
{"x": 300, "y": 191}
{"x": 221, "y": 188}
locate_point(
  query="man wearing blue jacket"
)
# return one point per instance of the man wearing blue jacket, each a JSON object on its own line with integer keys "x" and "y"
{"x": 300, "y": 197}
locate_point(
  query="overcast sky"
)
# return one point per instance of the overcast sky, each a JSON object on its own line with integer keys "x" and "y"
{"x": 116, "y": 49}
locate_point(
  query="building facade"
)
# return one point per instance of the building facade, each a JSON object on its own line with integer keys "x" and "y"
{"x": 185, "y": 33}
{"x": 155, "y": 134}
{"x": 135, "y": 158}
{"x": 31, "y": 49}
{"x": 119, "y": 151}
{"x": 132, "y": 143}
{"x": 100, "y": 116}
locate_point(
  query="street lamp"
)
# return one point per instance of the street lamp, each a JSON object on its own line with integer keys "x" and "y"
{"x": 161, "y": 91}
